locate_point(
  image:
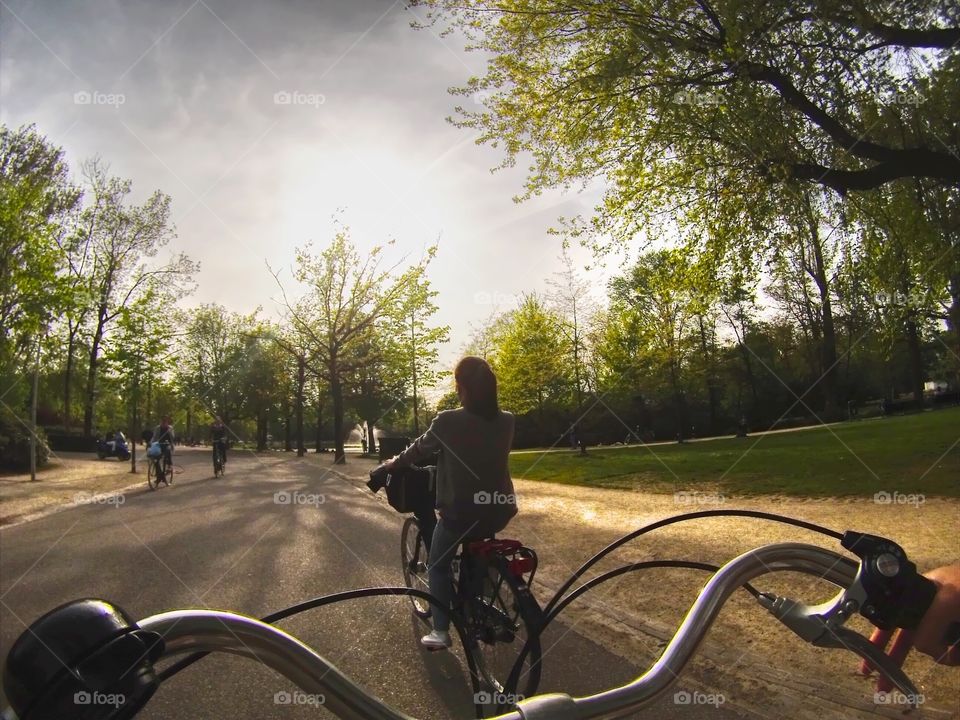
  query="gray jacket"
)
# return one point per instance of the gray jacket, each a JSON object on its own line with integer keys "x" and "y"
{"x": 475, "y": 494}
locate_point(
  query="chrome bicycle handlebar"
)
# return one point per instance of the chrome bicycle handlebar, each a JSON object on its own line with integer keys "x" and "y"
{"x": 186, "y": 631}
{"x": 197, "y": 630}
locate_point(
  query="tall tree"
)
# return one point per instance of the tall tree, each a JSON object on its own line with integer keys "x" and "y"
{"x": 211, "y": 362}
{"x": 530, "y": 359}
{"x": 570, "y": 296}
{"x": 122, "y": 237}
{"x": 804, "y": 251}
{"x": 346, "y": 294}
{"x": 416, "y": 341}
{"x": 137, "y": 349}
{"x": 655, "y": 294}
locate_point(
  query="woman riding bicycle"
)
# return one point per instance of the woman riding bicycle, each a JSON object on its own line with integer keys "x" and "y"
{"x": 218, "y": 437}
{"x": 475, "y": 494}
{"x": 164, "y": 435}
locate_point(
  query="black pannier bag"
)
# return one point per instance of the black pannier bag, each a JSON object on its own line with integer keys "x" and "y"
{"x": 408, "y": 489}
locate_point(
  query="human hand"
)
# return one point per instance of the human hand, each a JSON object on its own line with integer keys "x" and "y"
{"x": 937, "y": 635}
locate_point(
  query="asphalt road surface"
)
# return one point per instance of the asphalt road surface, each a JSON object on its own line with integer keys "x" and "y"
{"x": 227, "y": 543}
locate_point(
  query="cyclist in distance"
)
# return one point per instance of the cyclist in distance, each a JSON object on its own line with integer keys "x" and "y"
{"x": 164, "y": 435}
{"x": 475, "y": 494}
{"x": 218, "y": 436}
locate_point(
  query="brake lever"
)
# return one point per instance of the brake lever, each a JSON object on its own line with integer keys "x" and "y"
{"x": 887, "y": 590}
{"x": 822, "y": 626}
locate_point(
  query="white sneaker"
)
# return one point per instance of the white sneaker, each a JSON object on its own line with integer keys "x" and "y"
{"x": 436, "y": 640}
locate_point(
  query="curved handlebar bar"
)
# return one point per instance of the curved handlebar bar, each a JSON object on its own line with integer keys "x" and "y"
{"x": 196, "y": 630}
{"x": 187, "y": 631}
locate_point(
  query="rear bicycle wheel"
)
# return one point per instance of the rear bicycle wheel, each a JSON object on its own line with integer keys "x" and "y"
{"x": 167, "y": 472}
{"x": 503, "y": 618}
{"x": 217, "y": 462}
{"x": 414, "y": 561}
{"x": 152, "y": 480}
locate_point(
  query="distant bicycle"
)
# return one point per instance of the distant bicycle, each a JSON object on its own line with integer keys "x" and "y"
{"x": 219, "y": 457}
{"x": 159, "y": 467}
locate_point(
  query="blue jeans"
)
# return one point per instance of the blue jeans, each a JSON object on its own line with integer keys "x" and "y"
{"x": 443, "y": 548}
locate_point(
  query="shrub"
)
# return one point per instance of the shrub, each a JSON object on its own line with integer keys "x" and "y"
{"x": 15, "y": 442}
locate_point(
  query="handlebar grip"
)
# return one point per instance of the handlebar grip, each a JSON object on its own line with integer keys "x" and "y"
{"x": 86, "y": 659}
{"x": 897, "y": 595}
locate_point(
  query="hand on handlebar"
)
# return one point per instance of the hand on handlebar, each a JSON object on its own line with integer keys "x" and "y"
{"x": 937, "y": 633}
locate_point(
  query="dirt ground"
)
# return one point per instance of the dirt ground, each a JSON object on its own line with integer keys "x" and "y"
{"x": 749, "y": 656}
{"x": 69, "y": 478}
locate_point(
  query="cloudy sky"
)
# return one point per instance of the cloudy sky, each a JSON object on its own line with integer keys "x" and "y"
{"x": 263, "y": 119}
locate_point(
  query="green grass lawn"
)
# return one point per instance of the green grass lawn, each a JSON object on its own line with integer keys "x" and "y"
{"x": 908, "y": 454}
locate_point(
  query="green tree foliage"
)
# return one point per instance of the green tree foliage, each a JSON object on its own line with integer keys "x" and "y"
{"x": 36, "y": 197}
{"x": 137, "y": 351}
{"x": 416, "y": 342}
{"x": 211, "y": 358}
{"x": 655, "y": 296}
{"x": 686, "y": 104}
{"x": 531, "y": 363}
{"x": 347, "y": 294}
{"x": 122, "y": 239}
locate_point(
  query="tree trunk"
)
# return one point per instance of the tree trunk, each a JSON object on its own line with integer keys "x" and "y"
{"x": 319, "y": 447}
{"x": 301, "y": 380}
{"x": 92, "y": 377}
{"x": 914, "y": 352}
{"x": 261, "y": 430}
{"x": 371, "y": 439}
{"x": 135, "y": 419}
{"x": 336, "y": 394}
{"x": 416, "y": 409}
{"x": 576, "y": 358}
{"x": 953, "y": 323}
{"x": 542, "y": 433}
{"x": 149, "y": 411}
{"x": 678, "y": 403}
{"x": 828, "y": 341}
{"x": 712, "y": 398}
{"x": 68, "y": 379}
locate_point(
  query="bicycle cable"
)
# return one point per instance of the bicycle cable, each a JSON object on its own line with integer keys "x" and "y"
{"x": 558, "y": 602}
